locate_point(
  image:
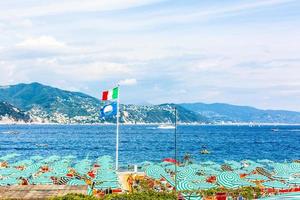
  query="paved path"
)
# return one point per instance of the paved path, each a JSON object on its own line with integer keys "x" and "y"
{"x": 38, "y": 191}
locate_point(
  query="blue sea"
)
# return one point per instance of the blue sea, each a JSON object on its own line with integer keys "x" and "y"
{"x": 147, "y": 142}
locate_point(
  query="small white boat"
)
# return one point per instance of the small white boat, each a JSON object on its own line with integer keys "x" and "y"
{"x": 166, "y": 126}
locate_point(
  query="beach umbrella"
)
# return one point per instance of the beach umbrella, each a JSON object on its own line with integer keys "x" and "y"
{"x": 275, "y": 184}
{"x": 9, "y": 156}
{"x": 36, "y": 158}
{"x": 22, "y": 163}
{"x": 69, "y": 157}
{"x": 263, "y": 172}
{"x": 195, "y": 166}
{"x": 243, "y": 183}
{"x": 204, "y": 186}
{"x": 242, "y": 171}
{"x": 228, "y": 179}
{"x": 186, "y": 173}
{"x": 233, "y": 164}
{"x": 267, "y": 161}
{"x": 282, "y": 176}
{"x": 169, "y": 179}
{"x": 42, "y": 181}
{"x": 170, "y": 160}
{"x": 208, "y": 163}
{"x": 9, "y": 181}
{"x": 295, "y": 167}
{"x": 295, "y": 181}
{"x": 185, "y": 186}
{"x": 171, "y": 168}
{"x": 154, "y": 171}
{"x": 197, "y": 178}
{"x": 76, "y": 182}
{"x": 257, "y": 177}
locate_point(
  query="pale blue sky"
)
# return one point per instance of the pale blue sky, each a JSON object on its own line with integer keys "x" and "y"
{"x": 240, "y": 52}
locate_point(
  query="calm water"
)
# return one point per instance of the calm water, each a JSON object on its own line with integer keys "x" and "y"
{"x": 140, "y": 143}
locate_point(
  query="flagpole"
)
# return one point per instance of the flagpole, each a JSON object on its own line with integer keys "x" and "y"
{"x": 117, "y": 135}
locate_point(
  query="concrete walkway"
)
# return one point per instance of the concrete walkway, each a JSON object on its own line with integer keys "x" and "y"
{"x": 39, "y": 191}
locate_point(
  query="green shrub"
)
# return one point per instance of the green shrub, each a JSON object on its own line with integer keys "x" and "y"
{"x": 148, "y": 195}
{"x": 74, "y": 197}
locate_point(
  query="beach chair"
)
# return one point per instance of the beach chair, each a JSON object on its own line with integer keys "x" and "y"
{"x": 226, "y": 167}
{"x": 264, "y": 172}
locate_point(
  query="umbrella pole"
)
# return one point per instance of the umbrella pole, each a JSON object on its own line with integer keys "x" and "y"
{"x": 117, "y": 134}
{"x": 175, "y": 145}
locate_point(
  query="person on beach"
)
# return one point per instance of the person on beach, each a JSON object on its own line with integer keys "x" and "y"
{"x": 130, "y": 182}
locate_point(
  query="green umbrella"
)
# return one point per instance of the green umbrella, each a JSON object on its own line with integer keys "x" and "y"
{"x": 204, "y": 186}
{"x": 42, "y": 181}
{"x": 9, "y": 156}
{"x": 197, "y": 178}
{"x": 275, "y": 184}
{"x": 295, "y": 167}
{"x": 36, "y": 158}
{"x": 185, "y": 186}
{"x": 265, "y": 161}
{"x": 228, "y": 179}
{"x": 9, "y": 181}
{"x": 295, "y": 181}
{"x": 186, "y": 173}
{"x": 243, "y": 183}
{"x": 154, "y": 171}
{"x": 76, "y": 182}
{"x": 208, "y": 163}
{"x": 257, "y": 177}
{"x": 169, "y": 179}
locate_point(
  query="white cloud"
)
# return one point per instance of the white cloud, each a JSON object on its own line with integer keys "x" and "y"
{"x": 42, "y": 42}
{"x": 54, "y": 7}
{"x": 130, "y": 81}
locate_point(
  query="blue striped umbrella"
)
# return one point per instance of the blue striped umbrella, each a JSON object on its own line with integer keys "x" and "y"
{"x": 197, "y": 178}
{"x": 42, "y": 181}
{"x": 186, "y": 173}
{"x": 295, "y": 181}
{"x": 243, "y": 183}
{"x": 257, "y": 177}
{"x": 9, "y": 181}
{"x": 228, "y": 179}
{"x": 36, "y": 158}
{"x": 204, "y": 186}
{"x": 185, "y": 186}
{"x": 295, "y": 167}
{"x": 154, "y": 171}
{"x": 76, "y": 182}
{"x": 275, "y": 184}
{"x": 282, "y": 176}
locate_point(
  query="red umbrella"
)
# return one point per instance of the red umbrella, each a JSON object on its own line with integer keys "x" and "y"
{"x": 171, "y": 160}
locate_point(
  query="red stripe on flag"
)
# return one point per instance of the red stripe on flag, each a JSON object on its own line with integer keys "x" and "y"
{"x": 104, "y": 95}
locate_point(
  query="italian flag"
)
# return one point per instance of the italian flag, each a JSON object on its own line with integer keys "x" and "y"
{"x": 110, "y": 94}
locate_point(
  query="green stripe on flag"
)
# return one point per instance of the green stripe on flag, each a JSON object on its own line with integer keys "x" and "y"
{"x": 115, "y": 93}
